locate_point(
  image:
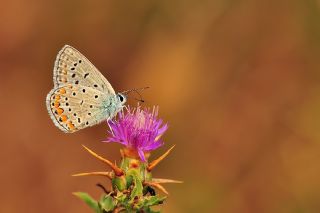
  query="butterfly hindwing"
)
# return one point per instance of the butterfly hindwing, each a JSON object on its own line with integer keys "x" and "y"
{"x": 74, "y": 107}
{"x": 71, "y": 67}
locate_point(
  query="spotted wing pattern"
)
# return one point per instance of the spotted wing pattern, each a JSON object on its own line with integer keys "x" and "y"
{"x": 71, "y": 67}
{"x": 81, "y": 94}
{"x": 74, "y": 107}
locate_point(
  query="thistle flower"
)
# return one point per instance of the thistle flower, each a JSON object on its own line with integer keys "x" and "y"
{"x": 139, "y": 130}
{"x": 133, "y": 185}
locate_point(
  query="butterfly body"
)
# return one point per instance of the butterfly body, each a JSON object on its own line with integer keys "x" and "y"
{"x": 111, "y": 106}
{"x": 81, "y": 96}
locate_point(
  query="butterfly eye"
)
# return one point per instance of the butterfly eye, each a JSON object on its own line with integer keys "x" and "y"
{"x": 121, "y": 98}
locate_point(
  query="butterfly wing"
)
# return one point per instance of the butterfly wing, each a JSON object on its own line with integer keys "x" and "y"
{"x": 74, "y": 107}
{"x": 71, "y": 67}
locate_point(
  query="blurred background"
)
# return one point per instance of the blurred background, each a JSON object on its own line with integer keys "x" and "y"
{"x": 238, "y": 82}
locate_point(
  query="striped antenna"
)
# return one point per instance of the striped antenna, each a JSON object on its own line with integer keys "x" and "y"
{"x": 136, "y": 90}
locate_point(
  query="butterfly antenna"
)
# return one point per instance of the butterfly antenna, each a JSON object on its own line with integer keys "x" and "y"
{"x": 127, "y": 92}
{"x": 134, "y": 90}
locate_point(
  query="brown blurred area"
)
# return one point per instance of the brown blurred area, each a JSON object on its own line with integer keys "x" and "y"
{"x": 238, "y": 82}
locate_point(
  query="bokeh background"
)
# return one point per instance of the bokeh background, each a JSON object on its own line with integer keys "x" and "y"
{"x": 238, "y": 82}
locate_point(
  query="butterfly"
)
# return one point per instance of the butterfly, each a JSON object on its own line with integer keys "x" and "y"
{"x": 81, "y": 96}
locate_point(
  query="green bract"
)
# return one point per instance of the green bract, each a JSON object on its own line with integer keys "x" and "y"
{"x": 133, "y": 188}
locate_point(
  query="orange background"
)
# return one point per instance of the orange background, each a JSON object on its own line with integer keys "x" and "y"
{"x": 238, "y": 82}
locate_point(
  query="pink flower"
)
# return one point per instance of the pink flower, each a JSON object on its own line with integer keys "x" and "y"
{"x": 138, "y": 129}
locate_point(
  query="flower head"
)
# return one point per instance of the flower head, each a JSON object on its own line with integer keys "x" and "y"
{"x": 138, "y": 129}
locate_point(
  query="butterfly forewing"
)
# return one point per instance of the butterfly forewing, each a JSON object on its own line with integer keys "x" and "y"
{"x": 71, "y": 67}
{"x": 74, "y": 107}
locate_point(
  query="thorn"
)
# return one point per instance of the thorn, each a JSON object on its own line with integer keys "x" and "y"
{"x": 160, "y": 180}
{"x": 155, "y": 162}
{"x": 114, "y": 167}
{"x": 105, "y": 174}
{"x": 157, "y": 185}
{"x": 102, "y": 187}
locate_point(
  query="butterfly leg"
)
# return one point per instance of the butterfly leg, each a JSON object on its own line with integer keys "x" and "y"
{"x": 109, "y": 126}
